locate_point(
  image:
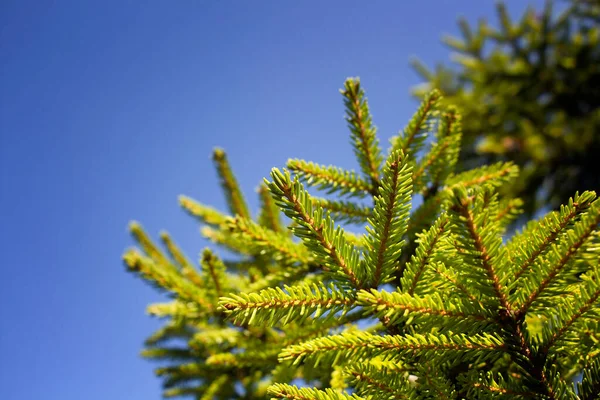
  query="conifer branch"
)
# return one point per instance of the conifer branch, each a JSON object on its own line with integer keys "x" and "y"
{"x": 173, "y": 329}
{"x": 362, "y": 132}
{"x": 495, "y": 175}
{"x": 458, "y": 325}
{"x": 362, "y": 344}
{"x": 185, "y": 391}
{"x": 581, "y": 303}
{"x": 203, "y": 213}
{"x": 539, "y": 236}
{"x": 486, "y": 242}
{"x": 168, "y": 353}
{"x": 274, "y": 305}
{"x": 372, "y": 382}
{"x": 246, "y": 359}
{"x": 292, "y": 274}
{"x": 148, "y": 246}
{"x": 329, "y": 178}
{"x": 344, "y": 211}
{"x": 426, "y": 310}
{"x": 318, "y": 233}
{"x": 452, "y": 277}
{"x": 269, "y": 212}
{"x": 354, "y": 239}
{"x": 310, "y": 330}
{"x": 189, "y": 370}
{"x": 285, "y": 391}
{"x": 439, "y": 162}
{"x": 495, "y": 385}
{"x": 437, "y": 386}
{"x": 414, "y": 134}
{"x": 233, "y": 194}
{"x": 389, "y": 221}
{"x": 508, "y": 211}
{"x": 177, "y": 309}
{"x": 337, "y": 381}
{"x": 223, "y": 238}
{"x": 211, "y": 338}
{"x": 165, "y": 278}
{"x": 215, "y": 387}
{"x": 589, "y": 387}
{"x": 264, "y": 241}
{"x": 556, "y": 261}
{"x": 214, "y": 270}
{"x": 427, "y": 243}
{"x": 187, "y": 269}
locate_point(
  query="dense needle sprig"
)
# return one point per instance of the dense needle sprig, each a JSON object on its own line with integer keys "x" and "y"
{"x": 431, "y": 301}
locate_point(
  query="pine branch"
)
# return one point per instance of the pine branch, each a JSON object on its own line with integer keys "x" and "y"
{"x": 284, "y": 391}
{"x": 435, "y": 385}
{"x": 293, "y": 274}
{"x": 480, "y": 242}
{"x": 414, "y": 134}
{"x": 249, "y": 358}
{"x": 358, "y": 345}
{"x": 465, "y": 316}
{"x": 495, "y": 176}
{"x": 310, "y": 330}
{"x": 389, "y": 221}
{"x": 172, "y": 330}
{"x": 327, "y": 244}
{"x": 372, "y": 382}
{"x": 589, "y": 387}
{"x": 537, "y": 285}
{"x": 451, "y": 283}
{"x": 537, "y": 237}
{"x": 362, "y": 132}
{"x": 439, "y": 162}
{"x": 337, "y": 381}
{"x": 269, "y": 212}
{"x": 267, "y": 242}
{"x": 508, "y": 211}
{"x": 148, "y": 246}
{"x": 166, "y": 279}
{"x": 183, "y": 372}
{"x": 211, "y": 338}
{"x": 177, "y": 310}
{"x": 187, "y": 268}
{"x": 293, "y": 303}
{"x": 344, "y": 211}
{"x": 222, "y": 238}
{"x": 204, "y": 214}
{"x": 584, "y": 303}
{"x": 331, "y": 179}
{"x": 215, "y": 387}
{"x": 428, "y": 242}
{"x": 558, "y": 388}
{"x": 233, "y": 194}
{"x": 214, "y": 272}
{"x": 427, "y": 311}
{"x": 168, "y": 353}
{"x": 488, "y": 384}
{"x": 184, "y": 391}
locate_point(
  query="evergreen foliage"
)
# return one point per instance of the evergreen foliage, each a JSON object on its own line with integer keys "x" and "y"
{"x": 529, "y": 92}
{"x": 434, "y": 300}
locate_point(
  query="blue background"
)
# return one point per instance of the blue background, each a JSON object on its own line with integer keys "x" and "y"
{"x": 110, "y": 109}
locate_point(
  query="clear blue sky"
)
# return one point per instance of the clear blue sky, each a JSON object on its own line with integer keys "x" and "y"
{"x": 110, "y": 109}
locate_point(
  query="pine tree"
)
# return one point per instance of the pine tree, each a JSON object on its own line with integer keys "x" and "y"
{"x": 432, "y": 300}
{"x": 529, "y": 91}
